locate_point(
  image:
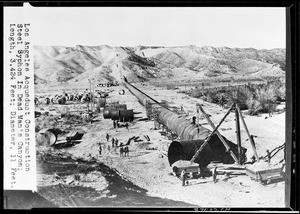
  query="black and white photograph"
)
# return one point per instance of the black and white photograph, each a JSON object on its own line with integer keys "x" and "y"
{"x": 158, "y": 106}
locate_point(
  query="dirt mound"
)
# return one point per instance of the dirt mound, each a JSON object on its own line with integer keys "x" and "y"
{"x": 25, "y": 199}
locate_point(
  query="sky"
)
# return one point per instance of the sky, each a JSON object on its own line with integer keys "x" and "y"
{"x": 260, "y": 28}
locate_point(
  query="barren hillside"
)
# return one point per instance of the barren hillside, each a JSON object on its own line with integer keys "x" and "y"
{"x": 75, "y": 65}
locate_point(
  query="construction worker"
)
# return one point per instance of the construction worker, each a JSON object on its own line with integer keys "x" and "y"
{"x": 121, "y": 149}
{"x": 114, "y": 124}
{"x": 116, "y": 142}
{"x": 198, "y": 128}
{"x": 113, "y": 142}
{"x": 126, "y": 125}
{"x": 99, "y": 149}
{"x": 127, "y": 151}
{"x": 193, "y": 120}
{"x": 124, "y": 151}
{"x": 183, "y": 177}
{"x": 214, "y": 174}
{"x": 107, "y": 137}
{"x": 87, "y": 100}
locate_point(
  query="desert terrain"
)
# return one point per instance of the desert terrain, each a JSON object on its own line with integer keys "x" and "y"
{"x": 79, "y": 176}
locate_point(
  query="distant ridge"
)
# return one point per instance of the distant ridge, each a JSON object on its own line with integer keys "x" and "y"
{"x": 75, "y": 65}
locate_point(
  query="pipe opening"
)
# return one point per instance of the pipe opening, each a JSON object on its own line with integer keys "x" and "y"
{"x": 185, "y": 150}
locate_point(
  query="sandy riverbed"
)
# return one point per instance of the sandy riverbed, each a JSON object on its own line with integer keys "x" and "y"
{"x": 150, "y": 170}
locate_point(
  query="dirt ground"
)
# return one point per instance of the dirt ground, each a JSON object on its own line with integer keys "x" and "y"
{"x": 147, "y": 164}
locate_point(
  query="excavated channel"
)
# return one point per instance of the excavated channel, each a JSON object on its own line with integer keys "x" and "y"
{"x": 118, "y": 193}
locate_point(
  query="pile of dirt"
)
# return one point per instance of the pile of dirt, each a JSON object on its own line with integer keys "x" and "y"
{"x": 68, "y": 181}
{"x": 25, "y": 200}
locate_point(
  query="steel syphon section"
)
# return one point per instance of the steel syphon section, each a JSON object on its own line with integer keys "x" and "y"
{"x": 176, "y": 123}
{"x": 183, "y": 128}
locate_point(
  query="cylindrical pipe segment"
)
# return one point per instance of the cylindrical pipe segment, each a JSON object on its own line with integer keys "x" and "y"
{"x": 183, "y": 128}
{"x": 184, "y": 150}
{"x": 142, "y": 97}
{"x": 126, "y": 115}
{"x": 115, "y": 114}
{"x": 177, "y": 124}
{"x": 111, "y": 110}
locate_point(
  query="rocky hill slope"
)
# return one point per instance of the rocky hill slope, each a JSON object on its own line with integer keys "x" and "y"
{"x": 76, "y": 65}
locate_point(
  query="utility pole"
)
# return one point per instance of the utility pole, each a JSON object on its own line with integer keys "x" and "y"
{"x": 93, "y": 97}
{"x": 90, "y": 97}
{"x": 238, "y": 135}
{"x": 248, "y": 133}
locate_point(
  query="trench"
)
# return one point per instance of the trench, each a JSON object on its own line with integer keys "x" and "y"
{"x": 119, "y": 192}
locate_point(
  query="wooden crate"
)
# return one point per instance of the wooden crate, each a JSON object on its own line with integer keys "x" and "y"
{"x": 187, "y": 169}
{"x": 265, "y": 175}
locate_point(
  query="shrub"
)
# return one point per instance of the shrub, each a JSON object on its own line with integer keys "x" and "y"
{"x": 280, "y": 93}
{"x": 258, "y": 98}
{"x": 45, "y": 121}
{"x": 265, "y": 101}
{"x": 252, "y": 104}
{"x": 240, "y": 96}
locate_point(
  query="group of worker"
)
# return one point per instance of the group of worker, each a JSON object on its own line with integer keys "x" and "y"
{"x": 124, "y": 149}
{"x": 117, "y": 125}
{"x": 114, "y": 142}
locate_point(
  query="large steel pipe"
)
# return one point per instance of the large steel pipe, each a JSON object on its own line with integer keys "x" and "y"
{"x": 184, "y": 150}
{"x": 176, "y": 123}
{"x": 142, "y": 97}
{"x": 126, "y": 115}
{"x": 184, "y": 129}
{"x": 110, "y": 111}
